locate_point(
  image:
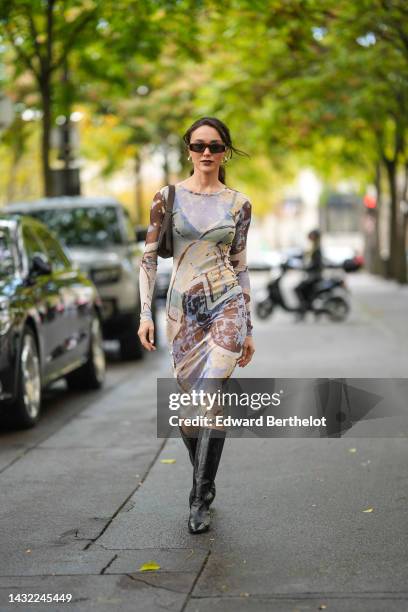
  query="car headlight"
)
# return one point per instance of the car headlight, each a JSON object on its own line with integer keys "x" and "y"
{"x": 105, "y": 276}
{"x": 5, "y": 317}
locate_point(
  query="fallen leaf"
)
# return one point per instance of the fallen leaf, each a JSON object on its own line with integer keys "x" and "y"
{"x": 322, "y": 607}
{"x": 368, "y": 510}
{"x": 244, "y": 594}
{"x": 167, "y": 461}
{"x": 149, "y": 566}
{"x": 28, "y": 550}
{"x": 352, "y": 450}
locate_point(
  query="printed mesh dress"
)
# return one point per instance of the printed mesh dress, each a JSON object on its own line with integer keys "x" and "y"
{"x": 208, "y": 301}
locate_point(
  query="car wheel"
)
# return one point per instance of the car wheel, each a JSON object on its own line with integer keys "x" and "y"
{"x": 130, "y": 346}
{"x": 92, "y": 374}
{"x": 25, "y": 411}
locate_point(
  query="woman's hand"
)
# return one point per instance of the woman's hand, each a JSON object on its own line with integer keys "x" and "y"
{"x": 248, "y": 349}
{"x": 146, "y": 335}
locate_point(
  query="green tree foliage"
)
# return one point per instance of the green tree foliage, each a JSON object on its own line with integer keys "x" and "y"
{"x": 93, "y": 39}
{"x": 325, "y": 81}
{"x": 316, "y": 82}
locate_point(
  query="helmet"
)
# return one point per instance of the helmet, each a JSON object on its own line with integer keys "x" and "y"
{"x": 314, "y": 234}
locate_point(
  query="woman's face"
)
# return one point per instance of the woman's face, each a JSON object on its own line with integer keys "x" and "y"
{"x": 206, "y": 162}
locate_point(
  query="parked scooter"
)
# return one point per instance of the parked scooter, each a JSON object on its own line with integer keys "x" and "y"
{"x": 327, "y": 297}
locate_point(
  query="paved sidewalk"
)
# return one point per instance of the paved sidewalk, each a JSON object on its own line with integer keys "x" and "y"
{"x": 290, "y": 531}
{"x": 372, "y": 343}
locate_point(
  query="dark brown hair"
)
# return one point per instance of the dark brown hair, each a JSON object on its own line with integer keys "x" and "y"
{"x": 225, "y": 137}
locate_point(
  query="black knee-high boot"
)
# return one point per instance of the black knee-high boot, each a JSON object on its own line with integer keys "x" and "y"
{"x": 191, "y": 445}
{"x": 207, "y": 458}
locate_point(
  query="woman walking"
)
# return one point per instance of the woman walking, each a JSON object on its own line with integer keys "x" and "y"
{"x": 208, "y": 317}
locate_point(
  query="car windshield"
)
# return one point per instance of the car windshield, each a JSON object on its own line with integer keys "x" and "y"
{"x": 85, "y": 226}
{"x": 7, "y": 263}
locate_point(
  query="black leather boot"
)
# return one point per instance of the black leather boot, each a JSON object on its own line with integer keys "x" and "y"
{"x": 207, "y": 458}
{"x": 191, "y": 445}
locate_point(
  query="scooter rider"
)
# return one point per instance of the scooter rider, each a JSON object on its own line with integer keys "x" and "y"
{"x": 313, "y": 266}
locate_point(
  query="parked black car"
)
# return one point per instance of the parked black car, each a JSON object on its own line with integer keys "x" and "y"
{"x": 100, "y": 239}
{"x": 50, "y": 319}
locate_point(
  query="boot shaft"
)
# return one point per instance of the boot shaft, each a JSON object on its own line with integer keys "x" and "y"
{"x": 208, "y": 453}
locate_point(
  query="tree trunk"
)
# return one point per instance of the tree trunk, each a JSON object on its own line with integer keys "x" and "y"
{"x": 390, "y": 167}
{"x": 377, "y": 263}
{"x": 404, "y": 214}
{"x": 401, "y": 263}
{"x": 65, "y": 130}
{"x": 402, "y": 217}
{"x": 45, "y": 137}
{"x": 46, "y": 98}
{"x": 397, "y": 260}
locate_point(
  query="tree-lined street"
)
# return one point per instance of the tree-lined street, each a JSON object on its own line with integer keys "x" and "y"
{"x": 318, "y": 84}
{"x": 88, "y": 497}
{"x": 97, "y": 99}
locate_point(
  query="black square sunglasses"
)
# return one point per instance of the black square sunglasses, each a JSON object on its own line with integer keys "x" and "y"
{"x": 199, "y": 147}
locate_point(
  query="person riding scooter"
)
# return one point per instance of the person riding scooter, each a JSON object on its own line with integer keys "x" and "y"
{"x": 317, "y": 295}
{"x": 313, "y": 266}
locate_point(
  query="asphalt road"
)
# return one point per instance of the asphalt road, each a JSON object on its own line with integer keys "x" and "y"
{"x": 298, "y": 524}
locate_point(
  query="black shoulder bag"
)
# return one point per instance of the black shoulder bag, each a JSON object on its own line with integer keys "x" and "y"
{"x": 165, "y": 241}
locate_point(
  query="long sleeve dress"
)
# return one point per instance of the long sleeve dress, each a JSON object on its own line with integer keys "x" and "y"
{"x": 208, "y": 301}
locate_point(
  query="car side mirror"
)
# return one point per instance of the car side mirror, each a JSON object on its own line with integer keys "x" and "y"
{"x": 40, "y": 265}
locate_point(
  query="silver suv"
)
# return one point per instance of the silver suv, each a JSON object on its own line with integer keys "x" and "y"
{"x": 101, "y": 240}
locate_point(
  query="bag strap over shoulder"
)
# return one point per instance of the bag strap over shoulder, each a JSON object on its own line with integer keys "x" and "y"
{"x": 165, "y": 239}
{"x": 170, "y": 198}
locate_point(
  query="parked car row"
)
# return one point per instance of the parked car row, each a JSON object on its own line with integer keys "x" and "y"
{"x": 100, "y": 239}
{"x": 50, "y": 319}
{"x": 69, "y": 278}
